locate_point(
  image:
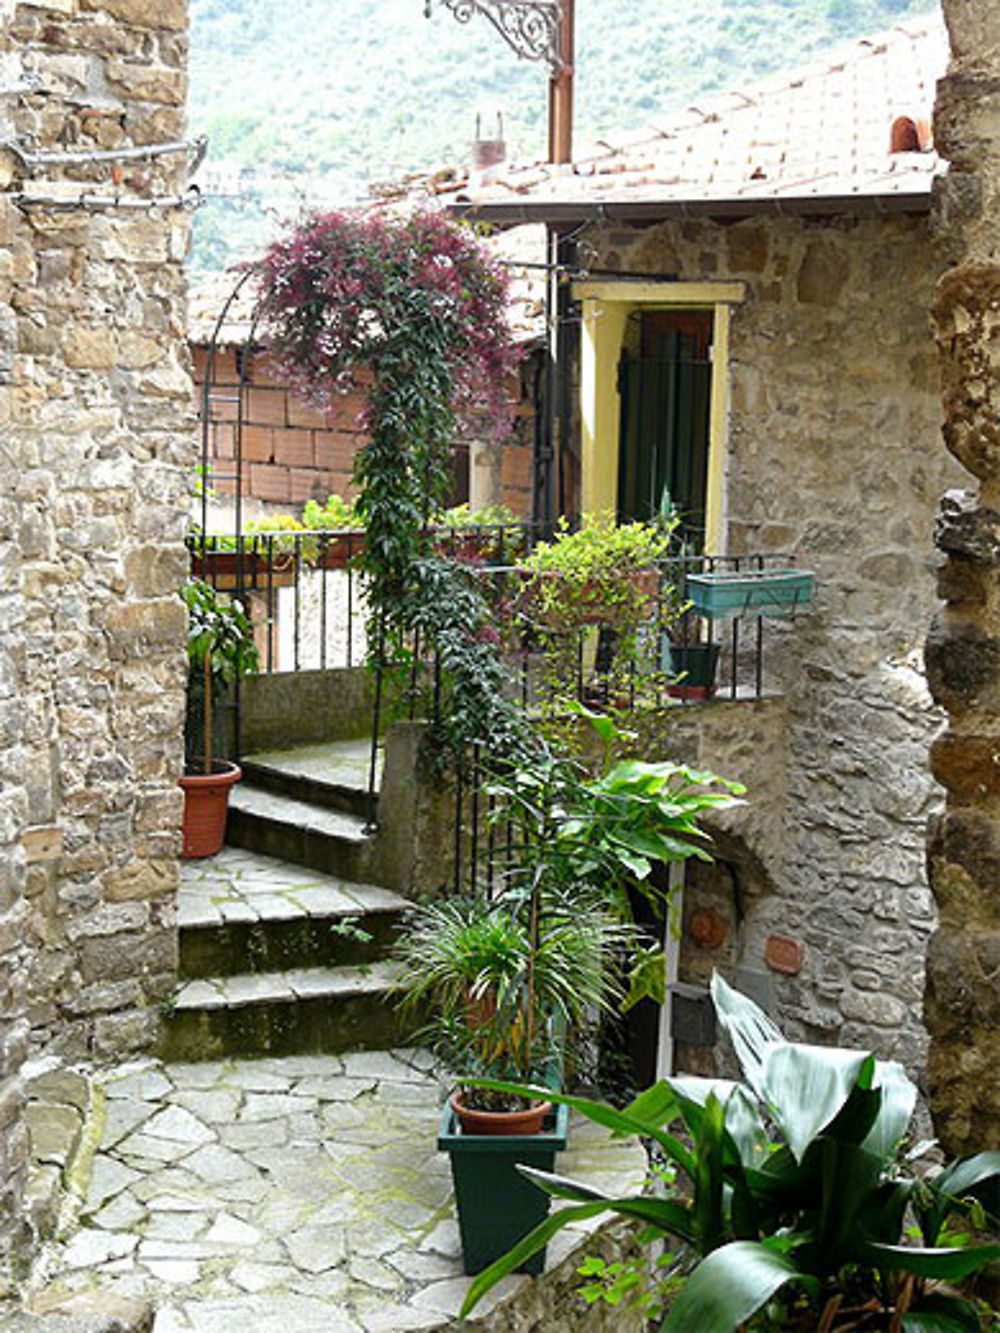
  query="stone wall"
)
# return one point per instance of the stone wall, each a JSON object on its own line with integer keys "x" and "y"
{"x": 96, "y": 451}
{"x": 963, "y": 648}
{"x": 833, "y": 456}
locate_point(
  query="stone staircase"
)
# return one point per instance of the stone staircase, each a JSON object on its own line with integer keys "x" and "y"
{"x": 283, "y": 941}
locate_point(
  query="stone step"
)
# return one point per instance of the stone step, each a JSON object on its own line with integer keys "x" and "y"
{"x": 334, "y": 775}
{"x": 308, "y": 1010}
{"x": 241, "y": 912}
{"x": 331, "y": 841}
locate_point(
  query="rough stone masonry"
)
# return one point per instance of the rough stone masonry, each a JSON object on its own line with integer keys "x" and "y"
{"x": 963, "y": 649}
{"x": 95, "y": 449}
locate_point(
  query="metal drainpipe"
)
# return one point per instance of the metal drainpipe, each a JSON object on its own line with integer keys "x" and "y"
{"x": 566, "y": 264}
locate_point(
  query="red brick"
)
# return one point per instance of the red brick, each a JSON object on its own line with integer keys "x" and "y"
{"x": 301, "y": 414}
{"x": 308, "y": 484}
{"x": 223, "y": 486}
{"x": 222, "y": 439}
{"x": 266, "y": 407}
{"x": 335, "y": 450}
{"x": 516, "y": 470}
{"x": 294, "y": 448}
{"x": 270, "y": 483}
{"x": 345, "y": 412}
{"x": 258, "y": 444}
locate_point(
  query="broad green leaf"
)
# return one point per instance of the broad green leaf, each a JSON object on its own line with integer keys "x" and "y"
{"x": 946, "y": 1265}
{"x": 949, "y": 1186}
{"x": 665, "y": 1215}
{"x": 849, "y": 1175}
{"x": 524, "y": 1249}
{"x": 599, "y": 1113}
{"x": 749, "y": 1028}
{"x": 708, "y": 1178}
{"x": 729, "y": 1286}
{"x": 657, "y": 1105}
{"x": 942, "y": 1314}
{"x": 806, "y": 1086}
{"x": 899, "y": 1097}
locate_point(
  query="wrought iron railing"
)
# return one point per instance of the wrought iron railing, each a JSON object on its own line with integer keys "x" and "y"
{"x": 306, "y": 600}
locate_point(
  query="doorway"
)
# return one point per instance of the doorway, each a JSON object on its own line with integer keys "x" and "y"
{"x": 665, "y": 390}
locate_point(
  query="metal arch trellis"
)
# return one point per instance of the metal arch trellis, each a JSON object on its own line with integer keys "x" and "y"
{"x": 212, "y": 393}
{"x": 531, "y": 28}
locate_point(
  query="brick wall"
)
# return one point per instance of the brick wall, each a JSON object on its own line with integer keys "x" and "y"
{"x": 292, "y": 453}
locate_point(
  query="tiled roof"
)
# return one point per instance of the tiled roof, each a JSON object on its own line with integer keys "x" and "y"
{"x": 820, "y": 133}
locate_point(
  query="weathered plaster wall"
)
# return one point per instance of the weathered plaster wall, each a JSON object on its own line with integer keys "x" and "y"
{"x": 96, "y": 447}
{"x": 833, "y": 455}
{"x": 963, "y": 648}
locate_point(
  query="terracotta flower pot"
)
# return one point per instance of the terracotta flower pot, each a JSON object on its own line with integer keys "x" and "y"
{"x": 206, "y": 804}
{"x": 528, "y": 1121}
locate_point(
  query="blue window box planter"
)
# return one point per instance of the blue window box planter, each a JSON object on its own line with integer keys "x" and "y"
{"x": 763, "y": 592}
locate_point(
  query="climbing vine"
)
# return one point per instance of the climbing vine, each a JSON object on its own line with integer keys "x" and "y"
{"x": 414, "y": 310}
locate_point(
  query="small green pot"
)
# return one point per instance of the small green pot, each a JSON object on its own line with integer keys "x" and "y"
{"x": 497, "y": 1206}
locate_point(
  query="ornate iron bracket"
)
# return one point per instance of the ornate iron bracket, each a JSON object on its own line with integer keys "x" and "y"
{"x": 529, "y": 27}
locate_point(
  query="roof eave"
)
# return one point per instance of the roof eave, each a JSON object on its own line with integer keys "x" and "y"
{"x": 510, "y": 213}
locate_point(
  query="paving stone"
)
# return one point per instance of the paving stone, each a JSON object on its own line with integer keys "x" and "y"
{"x": 334, "y": 1088}
{"x": 152, "y": 1150}
{"x": 122, "y": 1214}
{"x": 229, "y": 1230}
{"x": 216, "y": 1165}
{"x": 174, "y": 1226}
{"x": 256, "y": 1277}
{"x": 257, "y": 1076}
{"x": 251, "y": 1190}
{"x": 207, "y": 1075}
{"x": 374, "y": 1274}
{"x": 174, "y": 1272}
{"x": 315, "y": 1249}
{"x": 123, "y": 1117}
{"x": 147, "y": 1085}
{"x": 217, "y": 1106}
{"x": 258, "y": 1134}
{"x": 177, "y": 1124}
{"x": 91, "y": 1247}
{"x": 268, "y": 1314}
{"x": 378, "y": 1317}
{"x": 380, "y": 1065}
{"x": 107, "y": 1179}
{"x": 271, "y": 1106}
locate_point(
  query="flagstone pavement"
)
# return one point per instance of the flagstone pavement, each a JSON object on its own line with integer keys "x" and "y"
{"x": 294, "y": 1195}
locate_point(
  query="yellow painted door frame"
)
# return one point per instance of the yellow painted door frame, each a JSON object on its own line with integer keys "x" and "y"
{"x": 606, "y": 308}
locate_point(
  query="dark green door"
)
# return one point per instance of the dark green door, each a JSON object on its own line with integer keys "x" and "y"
{"x": 665, "y": 388}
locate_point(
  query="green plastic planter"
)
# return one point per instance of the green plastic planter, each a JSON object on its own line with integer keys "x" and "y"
{"x": 692, "y": 667}
{"x": 772, "y": 592}
{"x": 497, "y": 1206}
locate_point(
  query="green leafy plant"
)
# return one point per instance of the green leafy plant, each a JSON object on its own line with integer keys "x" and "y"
{"x": 220, "y": 650}
{"x": 795, "y": 1202}
{"x": 596, "y": 597}
{"x": 504, "y": 980}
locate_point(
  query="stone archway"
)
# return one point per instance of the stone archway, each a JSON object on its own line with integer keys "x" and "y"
{"x": 963, "y": 649}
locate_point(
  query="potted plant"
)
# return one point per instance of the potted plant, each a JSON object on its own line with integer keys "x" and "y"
{"x": 689, "y": 657}
{"x": 505, "y": 984}
{"x": 220, "y": 651}
{"x": 792, "y": 1194}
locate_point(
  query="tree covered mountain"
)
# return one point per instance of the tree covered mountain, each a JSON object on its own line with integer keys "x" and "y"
{"x": 337, "y": 94}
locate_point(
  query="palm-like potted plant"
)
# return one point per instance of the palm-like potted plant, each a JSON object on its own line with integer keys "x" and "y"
{"x": 508, "y": 982}
{"x": 220, "y": 650}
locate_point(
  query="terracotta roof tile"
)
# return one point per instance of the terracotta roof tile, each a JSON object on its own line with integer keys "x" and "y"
{"x": 820, "y": 131}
